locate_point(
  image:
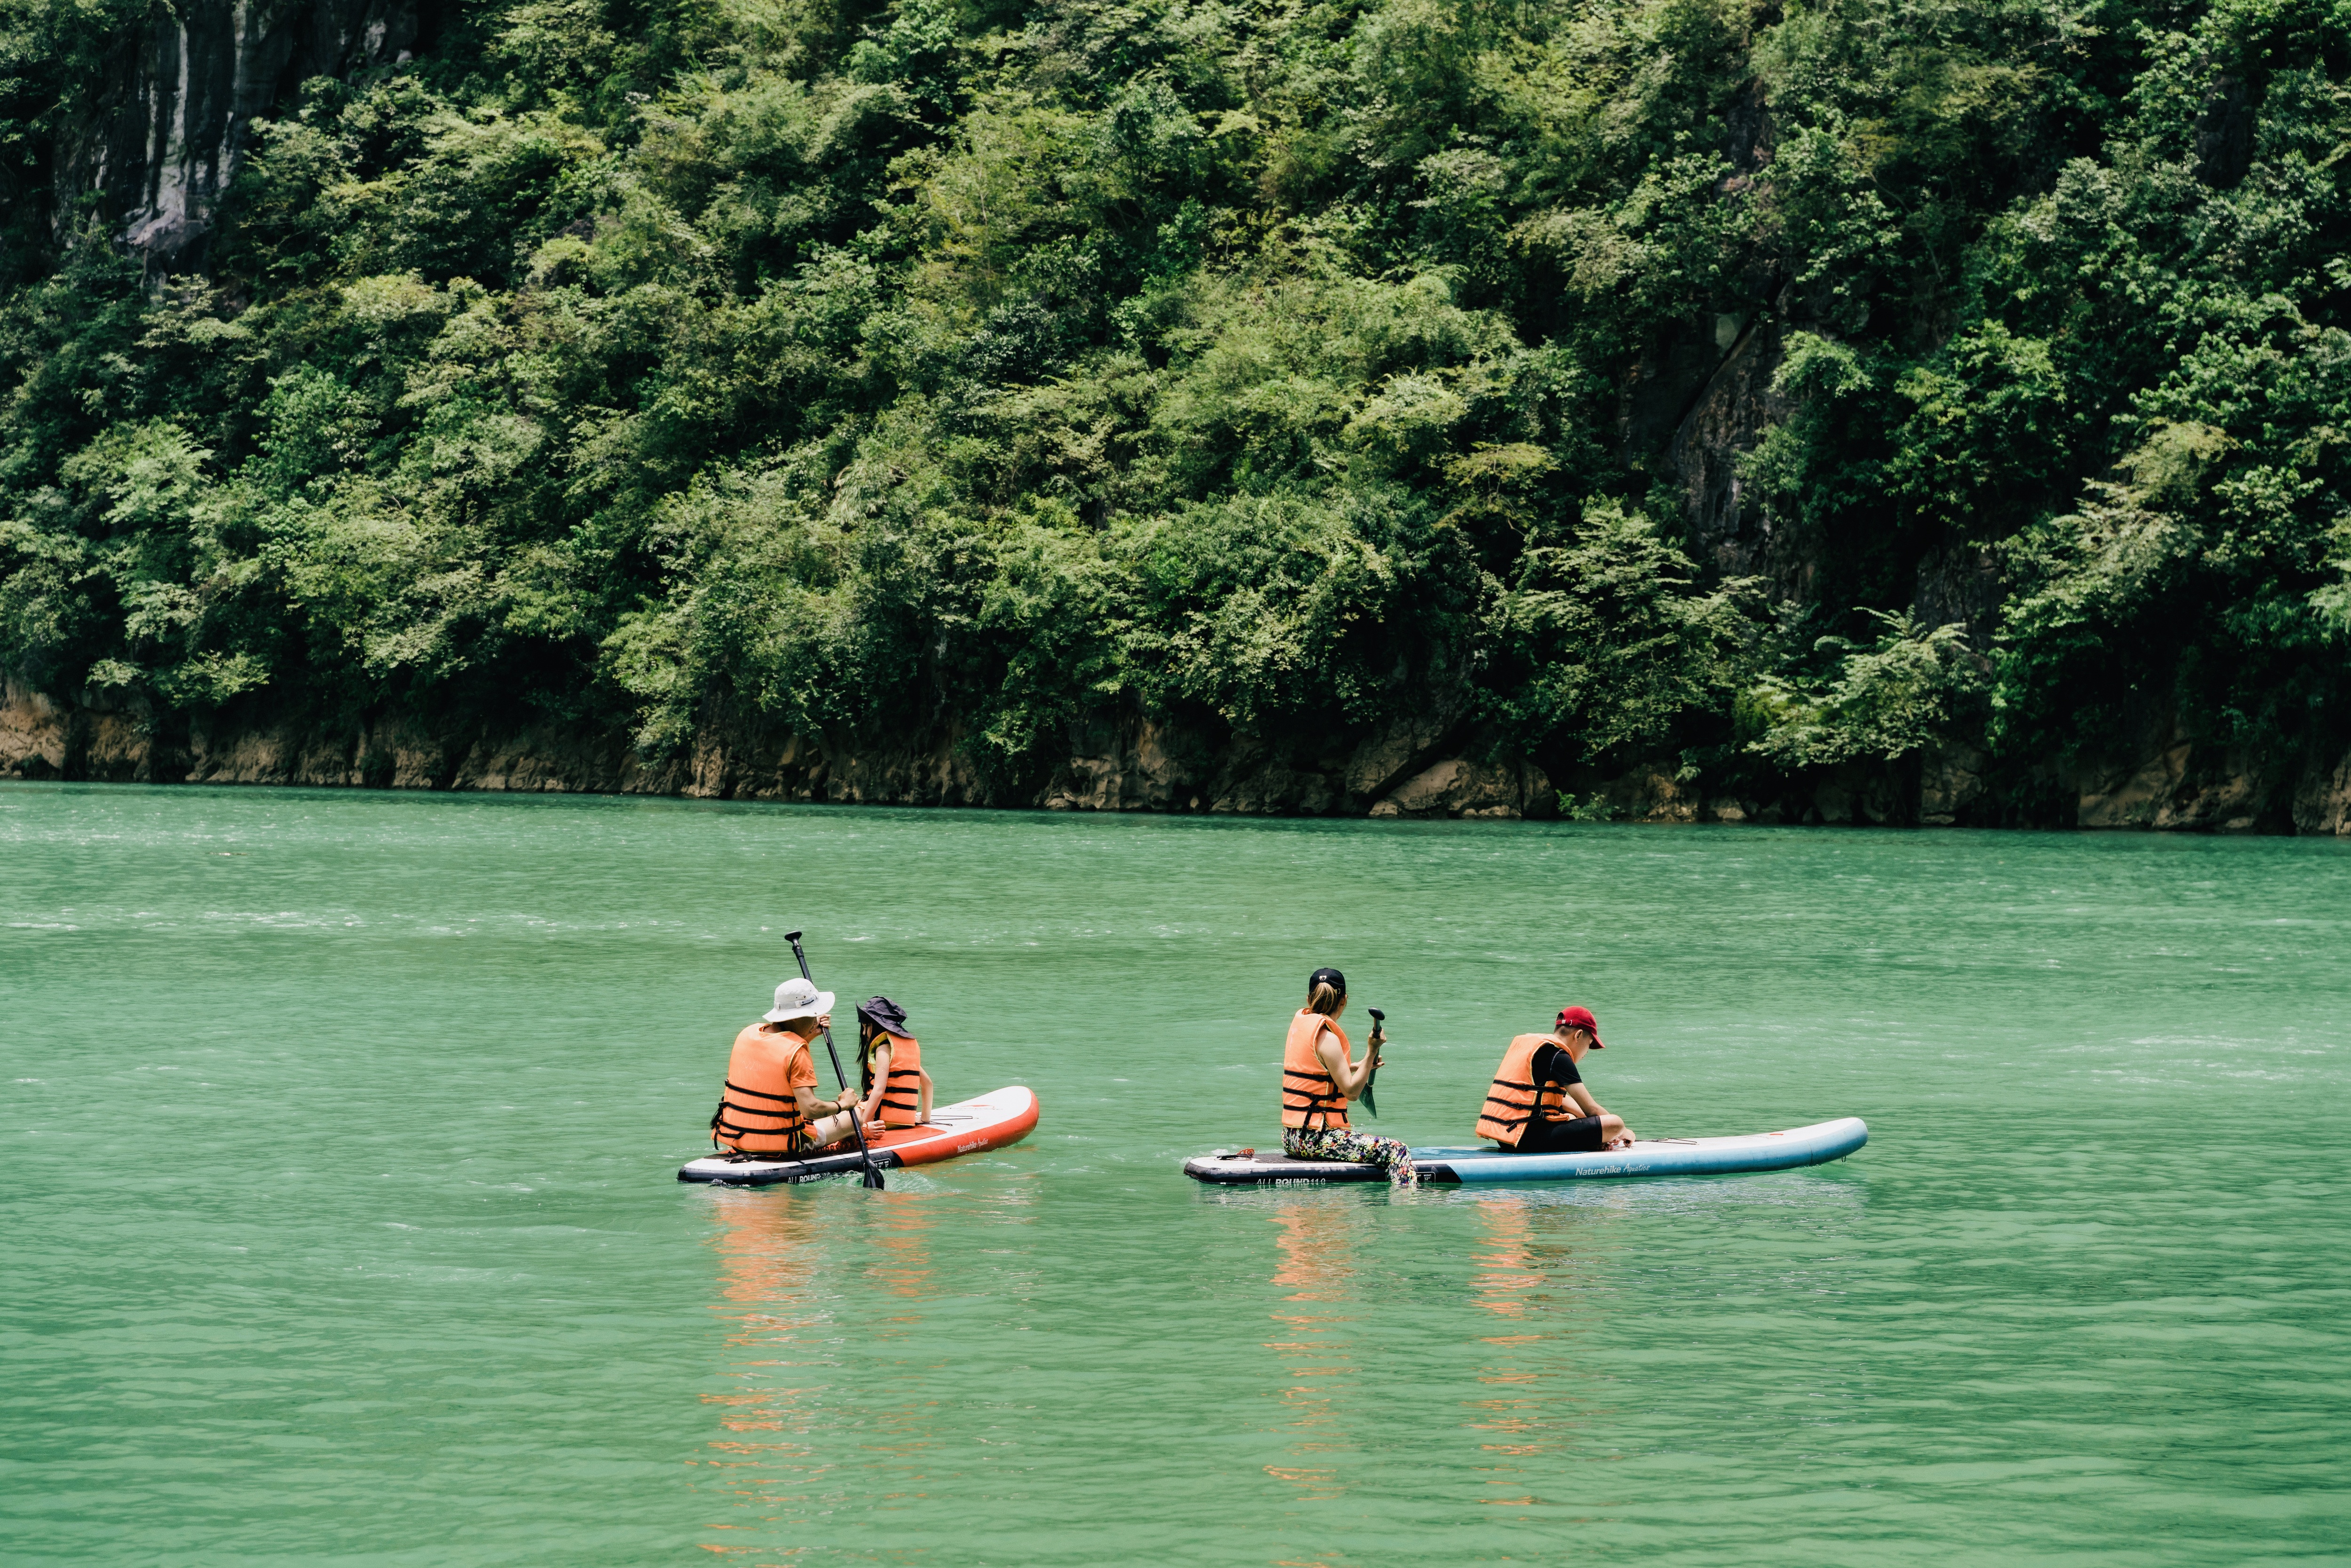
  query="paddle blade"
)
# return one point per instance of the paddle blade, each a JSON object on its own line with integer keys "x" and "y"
{"x": 1371, "y": 1101}
{"x": 873, "y": 1177}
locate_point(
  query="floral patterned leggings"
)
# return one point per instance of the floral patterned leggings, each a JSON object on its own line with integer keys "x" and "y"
{"x": 1345, "y": 1143}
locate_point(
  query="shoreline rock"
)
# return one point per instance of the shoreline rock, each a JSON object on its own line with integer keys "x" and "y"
{"x": 1424, "y": 768}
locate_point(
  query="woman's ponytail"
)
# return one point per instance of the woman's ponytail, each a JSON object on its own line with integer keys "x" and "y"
{"x": 1324, "y": 999}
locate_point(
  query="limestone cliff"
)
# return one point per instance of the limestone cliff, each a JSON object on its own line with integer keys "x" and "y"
{"x": 161, "y": 138}
{"x": 1413, "y": 769}
{"x": 1126, "y": 762}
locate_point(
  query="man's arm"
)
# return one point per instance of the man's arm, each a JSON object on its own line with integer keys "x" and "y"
{"x": 1556, "y": 1066}
{"x": 812, "y": 1105}
{"x": 1611, "y": 1126}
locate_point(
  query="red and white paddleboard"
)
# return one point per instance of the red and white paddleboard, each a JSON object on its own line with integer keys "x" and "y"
{"x": 994, "y": 1121}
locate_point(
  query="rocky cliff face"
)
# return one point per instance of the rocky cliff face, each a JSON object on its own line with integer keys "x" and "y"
{"x": 1128, "y": 763}
{"x": 1413, "y": 769}
{"x": 1730, "y": 412}
{"x": 2177, "y": 782}
{"x": 162, "y": 141}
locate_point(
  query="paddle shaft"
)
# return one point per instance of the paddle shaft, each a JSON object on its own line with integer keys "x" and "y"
{"x": 873, "y": 1171}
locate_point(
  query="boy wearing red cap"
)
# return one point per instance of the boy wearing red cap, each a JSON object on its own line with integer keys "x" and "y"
{"x": 1527, "y": 1109}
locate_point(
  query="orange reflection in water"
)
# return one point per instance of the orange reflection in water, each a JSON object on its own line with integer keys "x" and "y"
{"x": 896, "y": 1246}
{"x": 1318, "y": 1265}
{"x": 898, "y": 1420}
{"x": 770, "y": 1256}
{"x": 818, "y": 1296}
{"x": 1527, "y": 1273}
{"x": 1510, "y": 1275}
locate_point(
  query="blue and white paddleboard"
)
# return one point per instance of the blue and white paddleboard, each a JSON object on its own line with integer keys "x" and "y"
{"x": 1816, "y": 1144}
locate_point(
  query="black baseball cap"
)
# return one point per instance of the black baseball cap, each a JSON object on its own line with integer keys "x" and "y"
{"x": 1331, "y": 977}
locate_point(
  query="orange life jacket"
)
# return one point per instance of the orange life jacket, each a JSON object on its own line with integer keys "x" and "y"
{"x": 757, "y": 1112}
{"x": 1310, "y": 1096}
{"x": 902, "y": 1097}
{"x": 1514, "y": 1100}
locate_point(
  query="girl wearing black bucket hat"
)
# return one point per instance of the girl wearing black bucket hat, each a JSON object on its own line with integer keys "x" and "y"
{"x": 1318, "y": 1078}
{"x": 897, "y": 1091}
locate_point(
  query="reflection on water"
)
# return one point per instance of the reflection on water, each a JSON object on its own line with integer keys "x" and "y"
{"x": 1316, "y": 1268}
{"x": 770, "y": 1259}
{"x": 1530, "y": 1272}
{"x": 897, "y": 1254}
{"x": 810, "y": 1386}
{"x": 898, "y": 1425}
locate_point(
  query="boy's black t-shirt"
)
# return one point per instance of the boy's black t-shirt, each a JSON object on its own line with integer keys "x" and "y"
{"x": 1553, "y": 1065}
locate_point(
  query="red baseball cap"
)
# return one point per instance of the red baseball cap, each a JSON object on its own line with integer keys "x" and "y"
{"x": 1580, "y": 1017}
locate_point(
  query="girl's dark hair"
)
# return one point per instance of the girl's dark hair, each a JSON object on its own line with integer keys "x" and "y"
{"x": 866, "y": 1029}
{"x": 1324, "y": 999}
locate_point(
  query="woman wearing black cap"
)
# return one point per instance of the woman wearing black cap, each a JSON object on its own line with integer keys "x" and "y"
{"x": 1318, "y": 1079}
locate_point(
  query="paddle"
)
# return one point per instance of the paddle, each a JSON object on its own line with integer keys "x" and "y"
{"x": 873, "y": 1171}
{"x": 1373, "y": 1045}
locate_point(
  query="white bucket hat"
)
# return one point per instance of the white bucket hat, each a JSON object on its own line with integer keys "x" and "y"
{"x": 799, "y": 999}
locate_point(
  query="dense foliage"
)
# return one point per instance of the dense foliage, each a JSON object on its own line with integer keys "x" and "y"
{"x": 987, "y": 365}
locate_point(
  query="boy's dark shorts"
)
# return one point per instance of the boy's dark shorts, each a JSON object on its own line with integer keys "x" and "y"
{"x": 1581, "y": 1137}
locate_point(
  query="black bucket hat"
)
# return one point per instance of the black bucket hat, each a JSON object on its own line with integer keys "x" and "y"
{"x": 886, "y": 1015}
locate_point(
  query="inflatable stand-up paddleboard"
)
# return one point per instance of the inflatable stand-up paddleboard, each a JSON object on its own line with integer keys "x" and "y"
{"x": 1816, "y": 1144}
{"x": 993, "y": 1121}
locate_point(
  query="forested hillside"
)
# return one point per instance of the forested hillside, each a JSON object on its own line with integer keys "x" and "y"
{"x": 1735, "y": 397}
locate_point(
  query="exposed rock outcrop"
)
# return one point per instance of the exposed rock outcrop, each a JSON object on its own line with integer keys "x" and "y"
{"x": 1130, "y": 763}
{"x": 1951, "y": 783}
{"x": 1114, "y": 763}
{"x": 1734, "y": 536}
{"x": 164, "y": 135}
{"x": 1655, "y": 795}
{"x": 2176, "y": 785}
{"x": 1461, "y": 788}
{"x": 1958, "y": 580}
{"x": 35, "y": 734}
{"x": 1667, "y": 379}
{"x": 1120, "y": 768}
{"x": 2322, "y": 803}
{"x": 1406, "y": 747}
{"x": 1860, "y": 794}
{"x": 2177, "y": 782}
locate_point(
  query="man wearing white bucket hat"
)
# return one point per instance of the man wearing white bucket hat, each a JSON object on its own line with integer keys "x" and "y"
{"x": 770, "y": 1105}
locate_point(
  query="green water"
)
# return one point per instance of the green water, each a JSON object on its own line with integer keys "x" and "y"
{"x": 338, "y": 1223}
